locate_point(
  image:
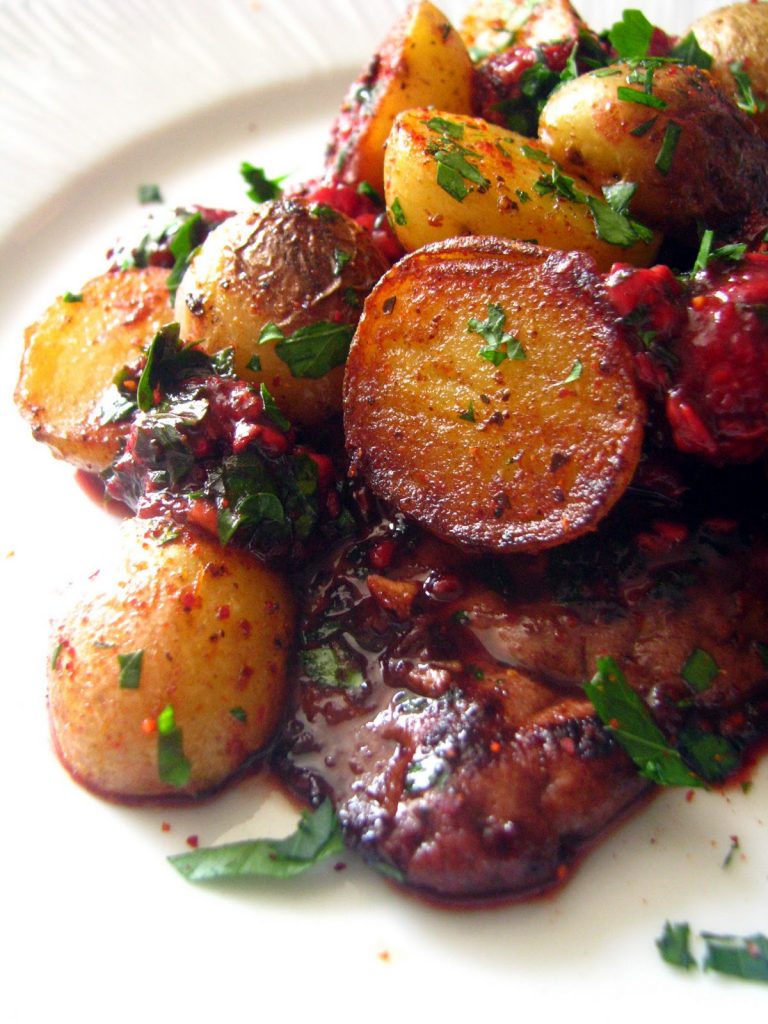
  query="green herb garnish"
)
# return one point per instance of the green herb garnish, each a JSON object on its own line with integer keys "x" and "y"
{"x": 398, "y": 214}
{"x": 645, "y": 99}
{"x": 313, "y": 351}
{"x": 700, "y": 670}
{"x": 745, "y": 95}
{"x": 260, "y": 187}
{"x": 183, "y": 245}
{"x": 631, "y": 37}
{"x": 738, "y": 957}
{"x": 498, "y": 344}
{"x": 72, "y": 297}
{"x": 130, "y": 669}
{"x": 327, "y": 666}
{"x": 626, "y": 717}
{"x": 316, "y": 838}
{"x": 173, "y": 767}
{"x": 688, "y": 52}
{"x": 674, "y": 945}
{"x": 666, "y": 153}
{"x": 149, "y": 194}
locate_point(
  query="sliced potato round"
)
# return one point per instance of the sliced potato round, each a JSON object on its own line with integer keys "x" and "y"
{"x": 489, "y": 396}
{"x": 695, "y": 158}
{"x": 447, "y": 176}
{"x": 73, "y": 353}
{"x": 182, "y": 625}
{"x": 294, "y": 266}
{"x": 423, "y": 62}
{"x": 735, "y": 37}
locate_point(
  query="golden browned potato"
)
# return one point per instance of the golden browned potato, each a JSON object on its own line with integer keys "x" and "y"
{"x": 73, "y": 353}
{"x": 422, "y": 62}
{"x": 448, "y": 175}
{"x": 489, "y": 396}
{"x": 305, "y": 270}
{"x": 491, "y": 26}
{"x": 695, "y": 158}
{"x": 169, "y": 673}
{"x": 737, "y": 39}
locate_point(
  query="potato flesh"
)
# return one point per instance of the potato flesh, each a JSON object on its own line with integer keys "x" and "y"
{"x": 423, "y": 62}
{"x": 718, "y": 170}
{"x": 516, "y": 457}
{"x": 215, "y": 628}
{"x": 73, "y": 353}
{"x": 737, "y": 35}
{"x": 278, "y": 265}
{"x": 509, "y": 206}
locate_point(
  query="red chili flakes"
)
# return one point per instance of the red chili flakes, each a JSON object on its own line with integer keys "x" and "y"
{"x": 384, "y": 956}
{"x": 245, "y": 627}
{"x": 193, "y": 842}
{"x": 166, "y": 826}
{"x": 149, "y": 726}
{"x": 567, "y": 745}
{"x": 223, "y": 611}
{"x": 494, "y": 746}
{"x": 270, "y": 607}
{"x": 189, "y": 600}
{"x": 246, "y": 672}
{"x": 689, "y": 796}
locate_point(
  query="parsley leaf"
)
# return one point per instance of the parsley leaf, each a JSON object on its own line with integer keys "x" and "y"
{"x": 172, "y": 764}
{"x": 627, "y": 718}
{"x": 260, "y": 187}
{"x": 498, "y": 345}
{"x": 316, "y": 838}
{"x": 666, "y": 153}
{"x": 739, "y": 957}
{"x": 700, "y": 670}
{"x": 745, "y": 95}
{"x": 631, "y": 37}
{"x": 183, "y": 245}
{"x": 327, "y": 666}
{"x": 688, "y": 52}
{"x": 313, "y": 351}
{"x": 130, "y": 669}
{"x": 149, "y": 194}
{"x": 674, "y": 945}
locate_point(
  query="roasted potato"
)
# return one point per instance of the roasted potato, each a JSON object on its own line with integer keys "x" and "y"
{"x": 695, "y": 158}
{"x": 492, "y": 26}
{"x": 447, "y": 175}
{"x": 423, "y": 62}
{"x": 184, "y": 625}
{"x": 73, "y": 353}
{"x": 735, "y": 37}
{"x": 489, "y": 396}
{"x": 299, "y": 268}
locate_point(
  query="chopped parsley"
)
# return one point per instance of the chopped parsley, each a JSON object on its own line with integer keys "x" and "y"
{"x": 666, "y": 153}
{"x": 700, "y": 670}
{"x": 732, "y": 851}
{"x": 576, "y": 371}
{"x": 313, "y": 351}
{"x": 674, "y": 945}
{"x": 631, "y": 37}
{"x": 340, "y": 259}
{"x": 316, "y": 838}
{"x": 72, "y": 297}
{"x": 398, "y": 214}
{"x": 173, "y": 767}
{"x": 239, "y": 714}
{"x": 260, "y": 187}
{"x": 183, "y": 245}
{"x": 56, "y": 654}
{"x": 645, "y": 99}
{"x": 149, "y": 194}
{"x": 328, "y": 666}
{"x": 498, "y": 344}
{"x": 745, "y": 95}
{"x": 688, "y": 52}
{"x": 739, "y": 957}
{"x": 469, "y": 413}
{"x": 130, "y": 669}
{"x": 626, "y": 717}
{"x": 456, "y": 175}
{"x": 366, "y": 189}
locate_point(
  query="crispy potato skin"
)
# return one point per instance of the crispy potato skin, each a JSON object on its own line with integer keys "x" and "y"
{"x": 278, "y": 264}
{"x": 216, "y": 629}
{"x": 423, "y": 62}
{"x": 509, "y": 206}
{"x": 719, "y": 168}
{"x": 72, "y": 354}
{"x": 515, "y": 457}
{"x": 491, "y": 26}
{"x": 737, "y": 35}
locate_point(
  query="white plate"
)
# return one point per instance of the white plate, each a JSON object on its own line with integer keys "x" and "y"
{"x": 95, "y": 98}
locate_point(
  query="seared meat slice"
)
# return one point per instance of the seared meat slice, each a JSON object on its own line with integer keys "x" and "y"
{"x": 441, "y": 702}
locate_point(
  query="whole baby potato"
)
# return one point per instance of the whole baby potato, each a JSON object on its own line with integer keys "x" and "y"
{"x": 294, "y": 266}
{"x": 447, "y": 176}
{"x": 736, "y": 38}
{"x": 422, "y": 62}
{"x": 695, "y": 158}
{"x": 168, "y": 673}
{"x": 72, "y": 354}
